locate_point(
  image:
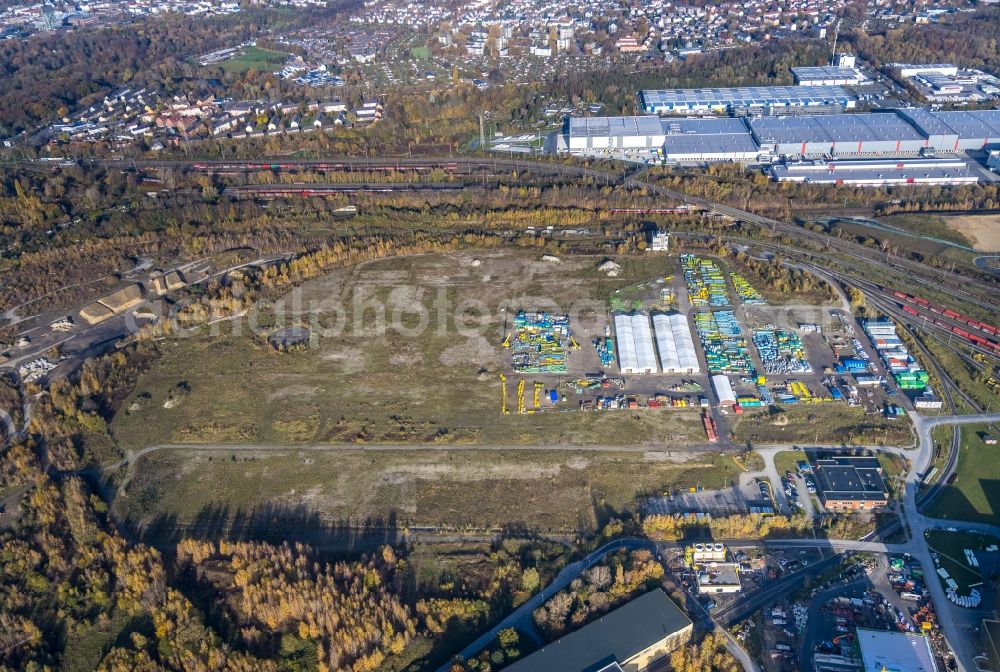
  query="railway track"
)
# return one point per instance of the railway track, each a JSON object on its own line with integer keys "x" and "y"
{"x": 978, "y": 292}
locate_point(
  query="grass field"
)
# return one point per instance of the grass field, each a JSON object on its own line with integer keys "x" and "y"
{"x": 400, "y": 385}
{"x": 254, "y": 58}
{"x": 975, "y": 494}
{"x": 951, "y": 549}
{"x": 217, "y": 491}
{"x": 786, "y": 460}
{"x": 422, "y": 53}
{"x": 821, "y": 424}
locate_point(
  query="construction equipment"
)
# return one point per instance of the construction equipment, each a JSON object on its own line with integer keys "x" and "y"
{"x": 538, "y": 394}
{"x": 503, "y": 394}
{"x": 520, "y": 397}
{"x": 573, "y": 343}
{"x": 506, "y": 340}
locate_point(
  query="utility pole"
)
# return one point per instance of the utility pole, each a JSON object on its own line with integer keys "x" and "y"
{"x": 482, "y": 134}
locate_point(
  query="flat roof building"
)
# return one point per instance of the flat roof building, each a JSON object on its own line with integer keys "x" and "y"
{"x": 635, "y": 343}
{"x": 850, "y": 484}
{"x": 827, "y": 75}
{"x": 895, "y": 652}
{"x": 838, "y": 134}
{"x": 903, "y": 132}
{"x": 745, "y": 100}
{"x": 911, "y": 69}
{"x": 876, "y": 173}
{"x": 633, "y": 637}
{"x": 708, "y": 139}
{"x": 719, "y": 578}
{"x": 606, "y": 133}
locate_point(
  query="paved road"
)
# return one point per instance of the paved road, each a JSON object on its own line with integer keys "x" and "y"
{"x": 950, "y": 616}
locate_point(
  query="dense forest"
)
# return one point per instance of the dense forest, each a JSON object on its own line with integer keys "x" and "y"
{"x": 969, "y": 40}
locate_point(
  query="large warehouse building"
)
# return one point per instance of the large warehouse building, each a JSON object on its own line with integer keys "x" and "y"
{"x": 838, "y": 134}
{"x": 906, "y": 132}
{"x": 828, "y": 75}
{"x": 747, "y": 100}
{"x": 879, "y": 172}
{"x": 608, "y": 133}
{"x": 635, "y": 637}
{"x": 955, "y": 131}
{"x": 635, "y": 343}
{"x": 708, "y": 140}
{"x": 675, "y": 344}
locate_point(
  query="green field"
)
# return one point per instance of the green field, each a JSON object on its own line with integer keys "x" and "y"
{"x": 786, "y": 460}
{"x": 951, "y": 546}
{"x": 422, "y": 53}
{"x": 254, "y": 58}
{"x": 365, "y": 385}
{"x": 208, "y": 492}
{"x": 974, "y": 495}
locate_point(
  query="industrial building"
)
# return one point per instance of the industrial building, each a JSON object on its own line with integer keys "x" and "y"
{"x": 635, "y": 343}
{"x": 708, "y": 140}
{"x": 675, "y": 344}
{"x": 858, "y": 134}
{"x": 723, "y": 390}
{"x": 633, "y": 638}
{"x": 697, "y": 554}
{"x": 881, "y": 650}
{"x": 955, "y": 131}
{"x": 607, "y": 133}
{"x": 909, "y": 133}
{"x": 828, "y": 75}
{"x": 876, "y": 173}
{"x": 911, "y": 69}
{"x": 746, "y": 100}
{"x": 719, "y": 578}
{"x": 845, "y": 483}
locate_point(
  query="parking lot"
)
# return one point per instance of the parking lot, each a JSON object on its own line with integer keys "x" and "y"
{"x": 736, "y": 499}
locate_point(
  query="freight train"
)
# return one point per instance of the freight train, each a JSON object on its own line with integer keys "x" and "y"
{"x": 247, "y": 166}
{"x": 974, "y": 333}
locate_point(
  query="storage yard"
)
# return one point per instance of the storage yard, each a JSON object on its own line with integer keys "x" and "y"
{"x": 541, "y": 343}
{"x": 906, "y": 133}
{"x": 513, "y": 381}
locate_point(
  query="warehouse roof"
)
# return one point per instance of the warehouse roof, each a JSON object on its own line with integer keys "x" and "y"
{"x": 609, "y": 126}
{"x": 615, "y": 637}
{"x": 834, "y": 128}
{"x": 723, "y": 389}
{"x": 877, "y": 173}
{"x": 825, "y": 72}
{"x": 849, "y": 482}
{"x": 635, "y": 342}
{"x": 895, "y": 651}
{"x": 674, "y": 343}
{"x": 747, "y": 95}
{"x": 712, "y": 135}
{"x": 973, "y": 124}
{"x": 703, "y": 126}
{"x": 925, "y": 121}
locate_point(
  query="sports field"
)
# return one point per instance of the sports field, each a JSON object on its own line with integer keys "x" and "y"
{"x": 254, "y": 58}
